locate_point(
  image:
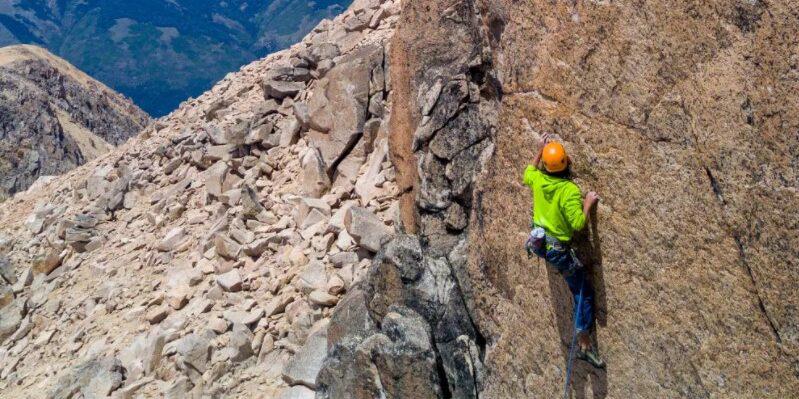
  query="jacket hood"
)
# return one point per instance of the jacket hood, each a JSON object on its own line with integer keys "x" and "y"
{"x": 552, "y": 184}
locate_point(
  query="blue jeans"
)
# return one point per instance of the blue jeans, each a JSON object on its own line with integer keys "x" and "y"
{"x": 567, "y": 264}
{"x": 586, "y": 316}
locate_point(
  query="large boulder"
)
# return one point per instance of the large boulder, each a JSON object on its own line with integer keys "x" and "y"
{"x": 11, "y": 317}
{"x": 279, "y": 89}
{"x": 306, "y": 363}
{"x": 418, "y": 305}
{"x": 367, "y": 229}
{"x": 93, "y": 379}
{"x": 338, "y": 104}
{"x": 398, "y": 361}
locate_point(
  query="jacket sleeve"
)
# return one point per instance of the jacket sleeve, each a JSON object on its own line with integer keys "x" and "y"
{"x": 529, "y": 175}
{"x": 572, "y": 205}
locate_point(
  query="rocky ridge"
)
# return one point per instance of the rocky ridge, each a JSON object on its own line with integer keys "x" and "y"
{"x": 205, "y": 256}
{"x": 54, "y": 117}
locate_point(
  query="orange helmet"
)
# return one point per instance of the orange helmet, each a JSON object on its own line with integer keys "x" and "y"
{"x": 554, "y": 157}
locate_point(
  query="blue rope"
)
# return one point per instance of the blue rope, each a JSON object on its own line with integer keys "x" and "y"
{"x": 570, "y": 362}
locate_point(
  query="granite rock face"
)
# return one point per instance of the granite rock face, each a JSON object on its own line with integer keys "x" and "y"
{"x": 678, "y": 115}
{"x": 427, "y": 345}
{"x": 53, "y": 117}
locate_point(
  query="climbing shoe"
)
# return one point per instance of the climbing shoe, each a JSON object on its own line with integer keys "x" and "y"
{"x": 592, "y": 357}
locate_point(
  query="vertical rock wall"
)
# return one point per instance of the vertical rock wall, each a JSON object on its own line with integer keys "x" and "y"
{"x": 407, "y": 332}
{"x": 678, "y": 113}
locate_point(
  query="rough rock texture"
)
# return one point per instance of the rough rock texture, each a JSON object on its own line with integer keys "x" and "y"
{"x": 427, "y": 344}
{"x": 679, "y": 114}
{"x": 54, "y": 117}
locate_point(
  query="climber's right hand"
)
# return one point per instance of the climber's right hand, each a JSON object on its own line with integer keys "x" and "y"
{"x": 542, "y": 141}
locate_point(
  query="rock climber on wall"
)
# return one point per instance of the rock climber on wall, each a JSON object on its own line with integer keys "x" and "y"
{"x": 558, "y": 211}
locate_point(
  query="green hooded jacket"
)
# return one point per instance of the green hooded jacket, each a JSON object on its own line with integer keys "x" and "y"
{"x": 557, "y": 204}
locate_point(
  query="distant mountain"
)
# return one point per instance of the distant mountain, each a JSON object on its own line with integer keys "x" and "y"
{"x": 54, "y": 117}
{"x": 160, "y": 52}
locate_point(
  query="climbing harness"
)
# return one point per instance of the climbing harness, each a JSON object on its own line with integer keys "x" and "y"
{"x": 570, "y": 361}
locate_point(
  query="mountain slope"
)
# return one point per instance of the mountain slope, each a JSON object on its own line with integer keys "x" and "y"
{"x": 161, "y": 52}
{"x": 204, "y": 256}
{"x": 54, "y": 117}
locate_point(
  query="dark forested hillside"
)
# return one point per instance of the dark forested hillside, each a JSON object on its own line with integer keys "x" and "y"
{"x": 160, "y": 52}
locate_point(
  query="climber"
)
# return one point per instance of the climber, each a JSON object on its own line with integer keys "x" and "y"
{"x": 559, "y": 211}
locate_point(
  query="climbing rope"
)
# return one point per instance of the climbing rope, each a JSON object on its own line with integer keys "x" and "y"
{"x": 570, "y": 362}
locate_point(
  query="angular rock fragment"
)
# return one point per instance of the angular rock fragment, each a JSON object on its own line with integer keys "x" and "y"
{"x": 47, "y": 263}
{"x": 93, "y": 379}
{"x": 6, "y": 295}
{"x": 305, "y": 365}
{"x": 260, "y": 134}
{"x": 335, "y": 285}
{"x": 172, "y": 239}
{"x": 367, "y": 229}
{"x": 251, "y": 205}
{"x": 194, "y": 352}
{"x": 281, "y": 89}
{"x": 289, "y": 130}
{"x": 237, "y": 133}
{"x": 342, "y": 259}
{"x": 322, "y": 298}
{"x": 277, "y": 304}
{"x": 11, "y": 317}
{"x": 157, "y": 314}
{"x": 314, "y": 277}
{"x": 314, "y": 179}
{"x": 242, "y": 317}
{"x": 239, "y": 343}
{"x": 7, "y": 271}
{"x": 230, "y": 281}
{"x": 218, "y": 325}
{"x": 215, "y": 177}
{"x": 226, "y": 248}
{"x": 324, "y": 51}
